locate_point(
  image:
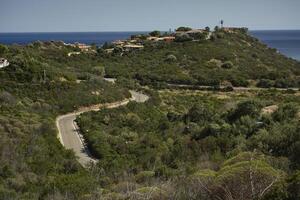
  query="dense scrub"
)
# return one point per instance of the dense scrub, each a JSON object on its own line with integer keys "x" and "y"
{"x": 185, "y": 135}
{"x": 233, "y": 57}
{"x": 178, "y": 145}
{"x": 34, "y": 165}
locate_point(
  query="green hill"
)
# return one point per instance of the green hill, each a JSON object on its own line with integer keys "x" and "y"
{"x": 228, "y": 56}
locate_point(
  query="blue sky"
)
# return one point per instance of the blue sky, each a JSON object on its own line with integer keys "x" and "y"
{"x": 144, "y": 15}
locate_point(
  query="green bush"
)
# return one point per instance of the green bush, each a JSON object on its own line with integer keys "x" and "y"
{"x": 144, "y": 176}
{"x": 227, "y": 65}
{"x": 182, "y": 28}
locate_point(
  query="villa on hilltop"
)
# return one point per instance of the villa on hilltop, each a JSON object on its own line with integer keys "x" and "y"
{"x": 81, "y": 46}
{"x": 166, "y": 38}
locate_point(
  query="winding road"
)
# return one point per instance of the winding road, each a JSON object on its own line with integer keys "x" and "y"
{"x": 204, "y": 87}
{"x": 69, "y": 134}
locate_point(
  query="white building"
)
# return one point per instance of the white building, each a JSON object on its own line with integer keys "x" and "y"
{"x": 3, "y": 63}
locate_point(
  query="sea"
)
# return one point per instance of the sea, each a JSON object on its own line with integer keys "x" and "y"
{"x": 285, "y": 41}
{"x": 97, "y": 38}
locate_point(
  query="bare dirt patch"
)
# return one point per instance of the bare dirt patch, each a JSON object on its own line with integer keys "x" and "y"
{"x": 269, "y": 109}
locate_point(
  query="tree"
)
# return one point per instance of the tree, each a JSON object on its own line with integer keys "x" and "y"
{"x": 265, "y": 83}
{"x": 207, "y": 29}
{"x": 3, "y": 49}
{"x": 244, "y": 108}
{"x": 199, "y": 113}
{"x": 199, "y": 36}
{"x": 155, "y": 33}
{"x": 183, "y": 38}
{"x": 106, "y": 45}
{"x": 182, "y": 28}
{"x": 285, "y": 112}
{"x": 294, "y": 186}
{"x": 227, "y": 65}
{"x": 99, "y": 70}
{"x": 246, "y": 176}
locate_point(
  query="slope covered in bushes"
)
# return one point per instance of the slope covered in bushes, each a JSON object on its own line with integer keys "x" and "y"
{"x": 40, "y": 83}
{"x": 227, "y": 56}
{"x": 194, "y": 144}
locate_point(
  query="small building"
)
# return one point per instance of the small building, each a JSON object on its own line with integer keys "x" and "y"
{"x": 133, "y": 41}
{"x": 73, "y": 53}
{"x": 129, "y": 47}
{"x": 68, "y": 44}
{"x": 109, "y": 51}
{"x": 83, "y": 47}
{"x": 3, "y": 63}
{"x": 166, "y": 38}
{"x": 169, "y": 38}
{"x": 159, "y": 39}
{"x": 152, "y": 38}
{"x": 118, "y": 42}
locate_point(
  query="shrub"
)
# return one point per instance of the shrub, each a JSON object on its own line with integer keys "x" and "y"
{"x": 285, "y": 112}
{"x": 227, "y": 65}
{"x": 199, "y": 113}
{"x": 144, "y": 176}
{"x": 250, "y": 108}
{"x": 183, "y": 38}
{"x": 265, "y": 83}
{"x": 294, "y": 186}
{"x": 182, "y": 28}
{"x": 99, "y": 70}
{"x": 234, "y": 176}
{"x": 3, "y": 49}
{"x": 7, "y": 98}
{"x": 155, "y": 33}
{"x": 171, "y": 58}
{"x": 220, "y": 35}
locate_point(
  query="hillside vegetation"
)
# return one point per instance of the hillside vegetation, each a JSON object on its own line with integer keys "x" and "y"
{"x": 34, "y": 165}
{"x": 180, "y": 144}
{"x": 234, "y": 57}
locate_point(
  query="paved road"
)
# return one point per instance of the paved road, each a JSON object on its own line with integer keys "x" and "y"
{"x": 70, "y": 136}
{"x": 184, "y": 86}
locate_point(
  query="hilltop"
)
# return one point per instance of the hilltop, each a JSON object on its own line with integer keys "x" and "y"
{"x": 228, "y": 56}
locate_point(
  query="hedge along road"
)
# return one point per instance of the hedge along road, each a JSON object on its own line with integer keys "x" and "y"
{"x": 69, "y": 134}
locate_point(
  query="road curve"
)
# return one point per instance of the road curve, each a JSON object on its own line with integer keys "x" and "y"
{"x": 69, "y": 134}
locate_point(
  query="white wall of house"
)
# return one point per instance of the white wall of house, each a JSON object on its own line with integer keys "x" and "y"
{"x": 4, "y": 64}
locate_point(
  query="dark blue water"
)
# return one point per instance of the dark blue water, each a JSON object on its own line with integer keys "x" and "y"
{"x": 84, "y": 37}
{"x": 287, "y": 42}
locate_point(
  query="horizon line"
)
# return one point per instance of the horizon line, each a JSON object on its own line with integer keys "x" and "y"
{"x": 131, "y": 31}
